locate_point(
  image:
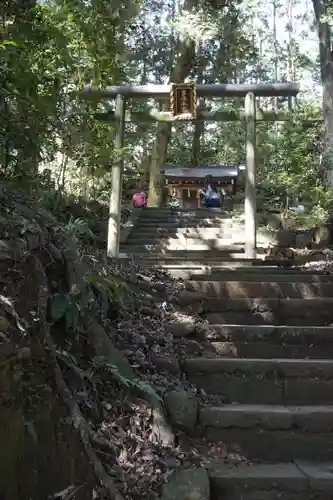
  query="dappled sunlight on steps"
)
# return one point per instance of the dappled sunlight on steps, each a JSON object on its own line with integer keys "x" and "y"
{"x": 264, "y": 375}
{"x": 167, "y": 230}
{"x": 266, "y": 380}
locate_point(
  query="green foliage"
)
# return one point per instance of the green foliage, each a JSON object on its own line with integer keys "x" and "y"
{"x": 290, "y": 171}
{"x": 50, "y": 140}
{"x": 65, "y": 306}
{"x": 117, "y": 291}
{"x": 78, "y": 228}
{"x": 48, "y": 50}
{"x": 136, "y": 384}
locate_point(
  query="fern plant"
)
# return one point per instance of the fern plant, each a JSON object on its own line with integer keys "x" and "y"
{"x": 78, "y": 228}
{"x": 117, "y": 291}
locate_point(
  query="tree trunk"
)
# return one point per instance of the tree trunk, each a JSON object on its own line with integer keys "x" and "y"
{"x": 290, "y": 46}
{"x": 326, "y": 67}
{"x": 276, "y": 59}
{"x": 181, "y": 70}
{"x": 199, "y": 127}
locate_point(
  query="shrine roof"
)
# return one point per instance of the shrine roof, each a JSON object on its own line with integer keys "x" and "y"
{"x": 200, "y": 172}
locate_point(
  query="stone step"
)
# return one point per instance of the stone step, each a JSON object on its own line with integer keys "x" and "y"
{"x": 188, "y": 265}
{"x": 180, "y": 246}
{"x": 166, "y": 210}
{"x": 212, "y": 227}
{"x": 266, "y": 350}
{"x": 242, "y": 269}
{"x": 251, "y": 289}
{"x": 192, "y": 243}
{"x": 189, "y": 232}
{"x": 264, "y": 381}
{"x": 214, "y": 216}
{"x": 271, "y": 433}
{"x": 171, "y": 224}
{"x": 245, "y": 341}
{"x": 232, "y": 228}
{"x": 214, "y": 222}
{"x": 184, "y": 213}
{"x": 178, "y": 257}
{"x": 138, "y": 239}
{"x": 189, "y": 269}
{"x": 298, "y": 312}
{"x": 291, "y": 335}
{"x": 224, "y": 213}
{"x": 196, "y": 234}
{"x": 220, "y": 217}
{"x": 191, "y": 216}
{"x": 278, "y": 481}
{"x": 263, "y": 274}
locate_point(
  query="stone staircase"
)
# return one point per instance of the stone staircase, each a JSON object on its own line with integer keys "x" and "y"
{"x": 267, "y": 374}
{"x": 186, "y": 235}
{"x": 268, "y": 378}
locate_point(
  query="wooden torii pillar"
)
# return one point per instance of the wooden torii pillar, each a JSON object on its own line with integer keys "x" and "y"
{"x": 117, "y": 181}
{"x": 249, "y": 91}
{"x": 250, "y": 208}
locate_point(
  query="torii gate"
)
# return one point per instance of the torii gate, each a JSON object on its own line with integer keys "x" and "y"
{"x": 183, "y": 104}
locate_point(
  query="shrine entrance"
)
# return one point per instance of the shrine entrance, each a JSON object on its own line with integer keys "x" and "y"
{"x": 185, "y": 183}
{"x": 183, "y": 107}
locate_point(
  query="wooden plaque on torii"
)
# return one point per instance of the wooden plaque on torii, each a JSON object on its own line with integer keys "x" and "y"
{"x": 183, "y": 101}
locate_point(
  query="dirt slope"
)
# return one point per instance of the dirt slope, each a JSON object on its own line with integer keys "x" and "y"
{"x": 85, "y": 356}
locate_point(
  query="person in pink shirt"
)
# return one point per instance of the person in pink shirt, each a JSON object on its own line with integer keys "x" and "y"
{"x": 140, "y": 197}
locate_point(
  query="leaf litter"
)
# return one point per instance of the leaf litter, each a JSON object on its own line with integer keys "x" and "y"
{"x": 121, "y": 422}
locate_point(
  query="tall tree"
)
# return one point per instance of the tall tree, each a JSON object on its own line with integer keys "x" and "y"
{"x": 210, "y": 39}
{"x": 180, "y": 71}
{"x": 323, "y": 12}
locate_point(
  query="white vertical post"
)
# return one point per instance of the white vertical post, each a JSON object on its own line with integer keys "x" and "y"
{"x": 181, "y": 198}
{"x": 250, "y": 177}
{"x": 116, "y": 186}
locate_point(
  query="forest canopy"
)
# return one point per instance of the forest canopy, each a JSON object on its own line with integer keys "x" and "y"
{"x": 50, "y": 139}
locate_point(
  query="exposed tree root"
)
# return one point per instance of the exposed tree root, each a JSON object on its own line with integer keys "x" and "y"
{"x": 104, "y": 348}
{"x": 42, "y": 330}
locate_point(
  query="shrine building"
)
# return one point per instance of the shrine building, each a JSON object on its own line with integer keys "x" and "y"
{"x": 184, "y": 183}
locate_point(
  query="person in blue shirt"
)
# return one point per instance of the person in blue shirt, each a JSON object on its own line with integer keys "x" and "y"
{"x": 211, "y": 196}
